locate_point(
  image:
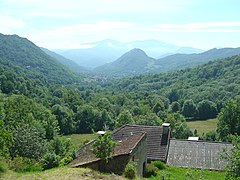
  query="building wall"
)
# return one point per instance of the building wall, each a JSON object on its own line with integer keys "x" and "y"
{"x": 115, "y": 165}
{"x": 139, "y": 156}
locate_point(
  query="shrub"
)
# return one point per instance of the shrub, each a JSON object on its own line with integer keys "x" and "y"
{"x": 23, "y": 164}
{"x": 3, "y": 167}
{"x": 159, "y": 164}
{"x": 50, "y": 160}
{"x": 130, "y": 170}
{"x": 150, "y": 170}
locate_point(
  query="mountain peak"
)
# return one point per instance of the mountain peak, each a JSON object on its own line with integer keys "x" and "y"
{"x": 136, "y": 51}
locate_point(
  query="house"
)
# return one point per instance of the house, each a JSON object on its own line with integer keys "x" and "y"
{"x": 197, "y": 154}
{"x": 157, "y": 138}
{"x": 130, "y": 148}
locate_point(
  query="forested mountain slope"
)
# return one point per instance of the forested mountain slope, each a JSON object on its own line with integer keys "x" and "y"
{"x": 133, "y": 62}
{"x": 217, "y": 81}
{"x": 178, "y": 61}
{"x": 22, "y": 56}
{"x": 66, "y": 62}
{"x": 137, "y": 62}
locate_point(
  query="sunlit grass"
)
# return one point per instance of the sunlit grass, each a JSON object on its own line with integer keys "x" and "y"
{"x": 78, "y": 139}
{"x": 177, "y": 173}
{"x": 61, "y": 173}
{"x": 203, "y": 126}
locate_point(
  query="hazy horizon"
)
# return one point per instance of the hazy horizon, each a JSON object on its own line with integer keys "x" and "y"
{"x": 69, "y": 24}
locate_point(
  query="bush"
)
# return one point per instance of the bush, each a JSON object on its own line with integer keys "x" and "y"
{"x": 150, "y": 170}
{"x": 3, "y": 167}
{"x": 23, "y": 164}
{"x": 159, "y": 164}
{"x": 50, "y": 160}
{"x": 130, "y": 170}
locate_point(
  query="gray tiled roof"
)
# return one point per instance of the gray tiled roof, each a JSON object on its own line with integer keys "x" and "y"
{"x": 197, "y": 154}
{"x": 155, "y": 149}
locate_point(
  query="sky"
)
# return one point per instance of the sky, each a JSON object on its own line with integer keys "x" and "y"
{"x": 67, "y": 24}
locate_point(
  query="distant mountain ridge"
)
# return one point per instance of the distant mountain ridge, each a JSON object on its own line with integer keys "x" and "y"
{"x": 101, "y": 52}
{"x": 179, "y": 61}
{"x": 66, "y": 62}
{"x": 133, "y": 62}
{"x": 137, "y": 62}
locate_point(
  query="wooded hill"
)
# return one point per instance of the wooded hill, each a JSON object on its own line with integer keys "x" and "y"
{"x": 137, "y": 62}
{"x": 22, "y": 56}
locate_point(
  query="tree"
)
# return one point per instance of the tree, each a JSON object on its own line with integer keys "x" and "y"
{"x": 175, "y": 106}
{"x": 189, "y": 108}
{"x": 233, "y": 167}
{"x": 65, "y": 118}
{"x": 5, "y": 140}
{"x": 206, "y": 109}
{"x": 181, "y": 131}
{"x": 103, "y": 146}
{"x": 159, "y": 106}
{"x": 86, "y": 118}
{"x": 125, "y": 117}
{"x": 229, "y": 119}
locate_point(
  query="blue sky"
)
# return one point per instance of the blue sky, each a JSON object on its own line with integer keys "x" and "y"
{"x": 57, "y": 24}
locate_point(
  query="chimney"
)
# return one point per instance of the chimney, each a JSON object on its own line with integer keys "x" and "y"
{"x": 166, "y": 127}
{"x": 165, "y": 133}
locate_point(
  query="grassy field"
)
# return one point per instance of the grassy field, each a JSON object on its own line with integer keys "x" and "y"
{"x": 177, "y": 173}
{"x": 61, "y": 173}
{"x": 79, "y": 139}
{"x": 203, "y": 126}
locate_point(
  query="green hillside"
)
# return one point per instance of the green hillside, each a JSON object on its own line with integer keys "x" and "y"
{"x": 22, "y": 56}
{"x": 179, "y": 61}
{"x": 216, "y": 81}
{"x": 131, "y": 63}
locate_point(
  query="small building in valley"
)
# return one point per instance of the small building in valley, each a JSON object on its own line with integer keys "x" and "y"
{"x": 197, "y": 154}
{"x": 130, "y": 148}
{"x": 157, "y": 138}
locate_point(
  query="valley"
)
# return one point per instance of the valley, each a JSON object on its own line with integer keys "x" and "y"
{"x": 50, "y": 106}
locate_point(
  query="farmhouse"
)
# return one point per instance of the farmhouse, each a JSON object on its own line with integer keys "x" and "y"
{"x": 157, "y": 138}
{"x": 131, "y": 148}
{"x": 141, "y": 143}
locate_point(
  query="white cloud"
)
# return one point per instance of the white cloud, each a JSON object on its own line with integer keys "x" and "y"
{"x": 8, "y": 24}
{"x": 199, "y": 27}
{"x": 73, "y": 36}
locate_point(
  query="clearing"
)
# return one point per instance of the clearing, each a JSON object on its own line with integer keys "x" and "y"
{"x": 203, "y": 126}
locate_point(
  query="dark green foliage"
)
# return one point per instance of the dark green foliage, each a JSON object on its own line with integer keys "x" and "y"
{"x": 181, "y": 131}
{"x": 189, "y": 108}
{"x": 206, "y": 109}
{"x": 130, "y": 170}
{"x": 159, "y": 164}
{"x": 229, "y": 120}
{"x": 175, "y": 107}
{"x": 233, "y": 168}
{"x": 86, "y": 117}
{"x": 103, "y": 146}
{"x": 210, "y": 136}
{"x": 50, "y": 160}
{"x": 150, "y": 170}
{"x": 65, "y": 119}
{"x": 5, "y": 140}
